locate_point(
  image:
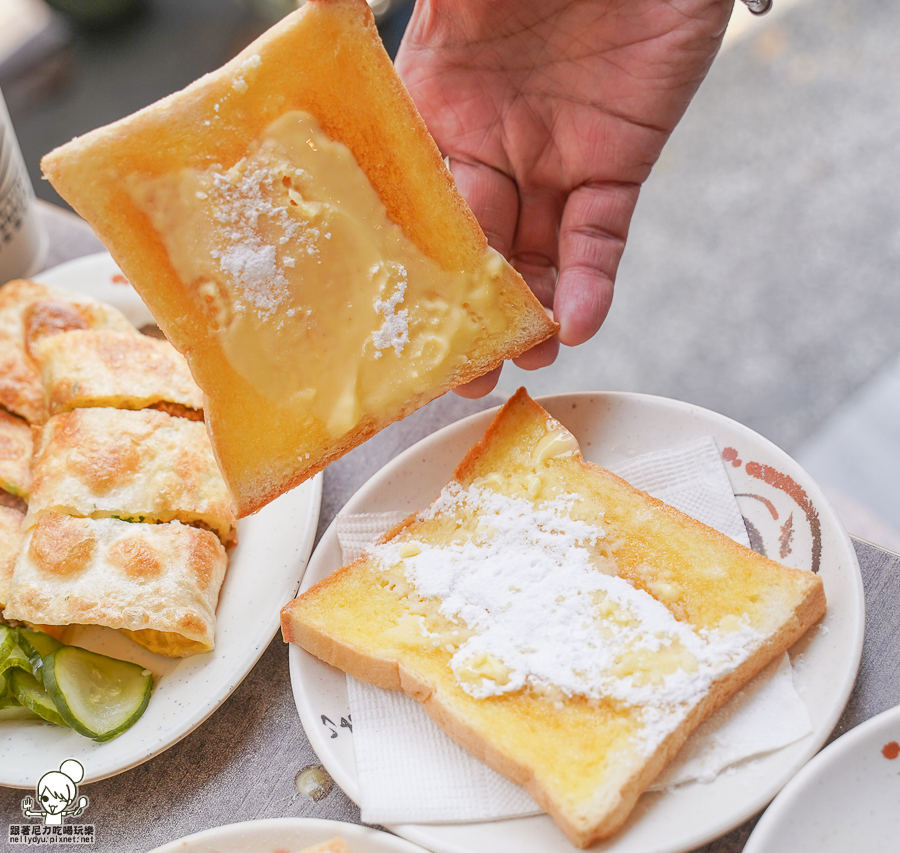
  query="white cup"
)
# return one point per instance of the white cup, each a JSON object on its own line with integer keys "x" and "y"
{"x": 23, "y": 241}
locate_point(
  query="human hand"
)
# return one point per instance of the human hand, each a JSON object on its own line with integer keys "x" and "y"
{"x": 552, "y": 114}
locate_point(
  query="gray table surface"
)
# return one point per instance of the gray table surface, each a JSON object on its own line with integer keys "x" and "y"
{"x": 241, "y": 764}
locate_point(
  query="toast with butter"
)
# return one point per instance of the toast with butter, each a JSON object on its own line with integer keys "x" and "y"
{"x": 292, "y": 227}
{"x": 559, "y": 624}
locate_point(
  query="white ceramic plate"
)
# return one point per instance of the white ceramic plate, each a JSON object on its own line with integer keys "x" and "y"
{"x": 786, "y": 514}
{"x": 846, "y": 798}
{"x": 287, "y": 835}
{"x": 263, "y": 574}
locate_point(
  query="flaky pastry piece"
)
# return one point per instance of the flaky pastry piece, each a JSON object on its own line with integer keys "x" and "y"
{"x": 30, "y": 311}
{"x": 16, "y": 447}
{"x": 292, "y": 227}
{"x": 562, "y": 626}
{"x": 10, "y": 544}
{"x": 47, "y": 318}
{"x": 157, "y": 583}
{"x": 142, "y": 466}
{"x": 119, "y": 370}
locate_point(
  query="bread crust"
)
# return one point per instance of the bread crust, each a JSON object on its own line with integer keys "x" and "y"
{"x": 790, "y": 601}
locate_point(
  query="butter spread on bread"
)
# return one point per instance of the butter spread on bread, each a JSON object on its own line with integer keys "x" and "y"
{"x": 561, "y": 625}
{"x": 296, "y": 258}
{"x": 293, "y": 229}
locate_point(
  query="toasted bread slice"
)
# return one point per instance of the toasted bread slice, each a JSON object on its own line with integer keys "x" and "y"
{"x": 293, "y": 229}
{"x": 157, "y": 583}
{"x": 82, "y": 369}
{"x": 142, "y": 466}
{"x": 556, "y": 622}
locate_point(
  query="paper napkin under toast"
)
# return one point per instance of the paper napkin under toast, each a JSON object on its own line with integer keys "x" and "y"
{"x": 411, "y": 772}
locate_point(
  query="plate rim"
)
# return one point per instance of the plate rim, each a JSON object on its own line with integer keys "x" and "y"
{"x": 774, "y": 815}
{"x": 221, "y": 833}
{"x": 101, "y": 264}
{"x": 422, "y": 833}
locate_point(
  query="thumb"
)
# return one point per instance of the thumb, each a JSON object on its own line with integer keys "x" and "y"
{"x": 594, "y": 227}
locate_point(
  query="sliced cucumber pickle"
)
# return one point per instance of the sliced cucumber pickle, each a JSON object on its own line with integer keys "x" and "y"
{"x": 10, "y": 709}
{"x": 96, "y": 695}
{"x": 16, "y": 660}
{"x": 37, "y": 646}
{"x": 7, "y": 641}
{"x": 31, "y": 694}
{"x": 17, "y": 712}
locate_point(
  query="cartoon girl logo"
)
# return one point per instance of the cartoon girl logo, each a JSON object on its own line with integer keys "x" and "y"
{"x": 56, "y": 795}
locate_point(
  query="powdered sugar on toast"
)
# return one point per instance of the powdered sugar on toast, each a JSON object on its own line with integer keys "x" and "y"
{"x": 548, "y": 614}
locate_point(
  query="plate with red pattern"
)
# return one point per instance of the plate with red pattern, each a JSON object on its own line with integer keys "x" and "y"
{"x": 846, "y": 798}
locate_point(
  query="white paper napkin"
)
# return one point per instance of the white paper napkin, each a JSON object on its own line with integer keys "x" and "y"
{"x": 411, "y": 772}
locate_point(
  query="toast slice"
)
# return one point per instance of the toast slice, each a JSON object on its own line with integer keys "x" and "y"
{"x": 292, "y": 227}
{"x": 564, "y": 627}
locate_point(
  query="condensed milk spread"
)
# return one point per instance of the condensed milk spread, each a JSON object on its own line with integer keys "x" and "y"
{"x": 293, "y": 239}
